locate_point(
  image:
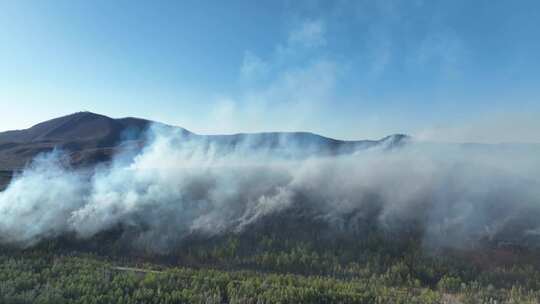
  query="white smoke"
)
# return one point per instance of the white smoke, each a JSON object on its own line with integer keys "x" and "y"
{"x": 179, "y": 185}
{"x": 38, "y": 202}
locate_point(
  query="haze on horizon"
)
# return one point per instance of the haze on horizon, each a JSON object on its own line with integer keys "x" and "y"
{"x": 437, "y": 70}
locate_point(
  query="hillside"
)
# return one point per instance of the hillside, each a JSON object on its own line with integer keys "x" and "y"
{"x": 254, "y": 218}
{"x": 91, "y": 138}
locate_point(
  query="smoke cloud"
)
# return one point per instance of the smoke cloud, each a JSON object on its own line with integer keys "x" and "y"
{"x": 180, "y": 185}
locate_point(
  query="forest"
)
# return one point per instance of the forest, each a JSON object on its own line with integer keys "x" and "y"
{"x": 269, "y": 152}
{"x": 275, "y": 262}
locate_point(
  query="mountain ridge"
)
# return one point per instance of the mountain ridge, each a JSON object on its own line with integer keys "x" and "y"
{"x": 15, "y": 135}
{"x": 91, "y": 138}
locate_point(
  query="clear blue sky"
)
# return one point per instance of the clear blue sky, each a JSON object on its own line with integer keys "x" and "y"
{"x": 452, "y": 70}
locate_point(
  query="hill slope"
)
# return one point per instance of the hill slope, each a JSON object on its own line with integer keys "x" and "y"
{"x": 79, "y": 132}
{"x": 91, "y": 138}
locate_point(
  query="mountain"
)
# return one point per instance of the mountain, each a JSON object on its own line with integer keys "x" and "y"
{"x": 82, "y": 132}
{"x": 91, "y": 138}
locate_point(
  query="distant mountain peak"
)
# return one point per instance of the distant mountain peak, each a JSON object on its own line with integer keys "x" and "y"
{"x": 395, "y": 140}
{"x": 396, "y": 137}
{"x": 95, "y": 137}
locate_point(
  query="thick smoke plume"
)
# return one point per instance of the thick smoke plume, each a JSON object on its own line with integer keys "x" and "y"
{"x": 179, "y": 185}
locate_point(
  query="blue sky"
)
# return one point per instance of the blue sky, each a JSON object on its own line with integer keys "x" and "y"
{"x": 445, "y": 70}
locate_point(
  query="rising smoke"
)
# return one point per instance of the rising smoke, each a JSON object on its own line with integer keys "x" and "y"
{"x": 177, "y": 186}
